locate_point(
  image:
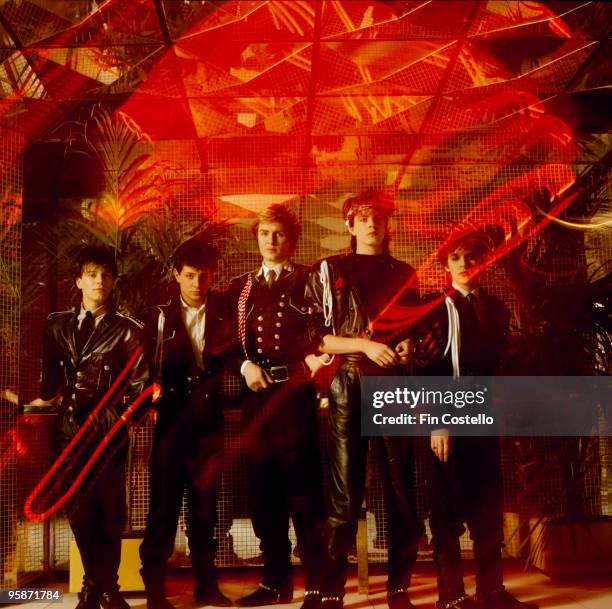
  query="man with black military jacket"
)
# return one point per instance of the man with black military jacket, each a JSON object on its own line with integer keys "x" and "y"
{"x": 279, "y": 411}
{"x": 85, "y": 350}
{"x": 186, "y": 337}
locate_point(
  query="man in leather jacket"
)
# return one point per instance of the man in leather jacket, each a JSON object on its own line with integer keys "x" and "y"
{"x": 279, "y": 411}
{"x": 85, "y": 351}
{"x": 185, "y": 338}
{"x": 362, "y": 303}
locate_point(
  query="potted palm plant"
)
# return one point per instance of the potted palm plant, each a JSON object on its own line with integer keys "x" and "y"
{"x": 566, "y": 329}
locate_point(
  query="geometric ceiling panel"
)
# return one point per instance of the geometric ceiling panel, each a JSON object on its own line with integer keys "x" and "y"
{"x": 282, "y": 20}
{"x": 304, "y": 68}
{"x": 517, "y": 19}
{"x": 481, "y": 64}
{"x": 370, "y": 114}
{"x": 162, "y": 118}
{"x": 599, "y": 72}
{"x": 30, "y": 22}
{"x": 257, "y": 66}
{"x": 394, "y": 20}
{"x": 393, "y": 67}
{"x": 232, "y": 116}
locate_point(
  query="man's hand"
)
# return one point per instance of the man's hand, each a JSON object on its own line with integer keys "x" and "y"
{"x": 256, "y": 377}
{"x": 315, "y": 363}
{"x": 441, "y": 444}
{"x": 405, "y": 351}
{"x": 379, "y": 353}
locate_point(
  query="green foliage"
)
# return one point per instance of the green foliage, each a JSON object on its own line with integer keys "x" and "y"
{"x": 133, "y": 215}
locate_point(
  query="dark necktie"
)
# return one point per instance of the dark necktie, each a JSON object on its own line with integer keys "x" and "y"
{"x": 271, "y": 278}
{"x": 84, "y": 331}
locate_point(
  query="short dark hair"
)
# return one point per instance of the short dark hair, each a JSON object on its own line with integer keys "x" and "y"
{"x": 197, "y": 254}
{"x": 375, "y": 200}
{"x": 96, "y": 254}
{"x": 283, "y": 215}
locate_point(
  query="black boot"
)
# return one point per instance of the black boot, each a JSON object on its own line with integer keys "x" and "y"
{"x": 449, "y": 573}
{"x": 267, "y": 595}
{"x": 398, "y": 599}
{"x": 312, "y": 600}
{"x": 113, "y": 599}
{"x": 502, "y": 599}
{"x": 89, "y": 597}
{"x": 206, "y": 592}
{"x": 463, "y": 602}
{"x": 155, "y": 589}
{"x": 332, "y": 602}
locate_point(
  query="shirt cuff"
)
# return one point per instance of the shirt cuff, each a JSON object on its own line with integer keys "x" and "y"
{"x": 244, "y": 363}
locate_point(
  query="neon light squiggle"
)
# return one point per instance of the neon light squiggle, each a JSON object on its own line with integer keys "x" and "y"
{"x": 29, "y": 512}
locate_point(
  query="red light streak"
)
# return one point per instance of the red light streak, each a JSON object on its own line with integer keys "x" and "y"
{"x": 38, "y": 516}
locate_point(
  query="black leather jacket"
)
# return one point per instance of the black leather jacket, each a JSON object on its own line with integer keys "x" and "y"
{"x": 337, "y": 308}
{"x": 82, "y": 380}
{"x": 174, "y": 365}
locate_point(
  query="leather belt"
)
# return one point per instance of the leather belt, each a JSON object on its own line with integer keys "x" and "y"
{"x": 278, "y": 374}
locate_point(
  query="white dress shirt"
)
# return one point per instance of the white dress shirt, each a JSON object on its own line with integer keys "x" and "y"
{"x": 98, "y": 314}
{"x": 277, "y": 269}
{"x": 194, "y": 319}
{"x": 464, "y": 292}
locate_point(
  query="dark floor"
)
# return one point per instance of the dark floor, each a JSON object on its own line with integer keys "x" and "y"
{"x": 532, "y": 586}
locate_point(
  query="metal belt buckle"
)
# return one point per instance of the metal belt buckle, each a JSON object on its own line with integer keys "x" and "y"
{"x": 279, "y": 374}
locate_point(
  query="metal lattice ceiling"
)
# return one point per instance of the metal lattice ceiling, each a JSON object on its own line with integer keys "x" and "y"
{"x": 214, "y": 69}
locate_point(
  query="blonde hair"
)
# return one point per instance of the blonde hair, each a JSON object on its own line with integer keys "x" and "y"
{"x": 283, "y": 215}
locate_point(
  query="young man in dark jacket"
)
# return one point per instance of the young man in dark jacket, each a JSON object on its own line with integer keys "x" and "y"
{"x": 85, "y": 350}
{"x": 465, "y": 482}
{"x": 364, "y": 302}
{"x": 186, "y": 337}
{"x": 279, "y": 411}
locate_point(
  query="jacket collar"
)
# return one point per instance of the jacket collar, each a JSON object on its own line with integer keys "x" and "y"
{"x": 108, "y": 316}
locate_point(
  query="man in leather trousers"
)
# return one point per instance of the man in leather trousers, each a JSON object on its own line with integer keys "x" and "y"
{"x": 185, "y": 337}
{"x": 363, "y": 302}
{"x": 279, "y": 411}
{"x": 84, "y": 352}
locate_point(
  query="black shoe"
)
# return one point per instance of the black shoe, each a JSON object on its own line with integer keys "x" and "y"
{"x": 89, "y": 598}
{"x": 312, "y": 600}
{"x": 112, "y": 599}
{"x": 266, "y": 595}
{"x": 463, "y": 602}
{"x": 398, "y": 599}
{"x": 331, "y": 602}
{"x": 210, "y": 595}
{"x": 502, "y": 599}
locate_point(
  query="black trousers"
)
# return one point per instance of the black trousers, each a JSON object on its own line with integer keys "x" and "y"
{"x": 467, "y": 488}
{"x": 186, "y": 458}
{"x": 97, "y": 516}
{"x": 280, "y": 440}
{"x": 348, "y": 451}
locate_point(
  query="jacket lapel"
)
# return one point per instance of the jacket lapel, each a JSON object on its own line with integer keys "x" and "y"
{"x": 71, "y": 331}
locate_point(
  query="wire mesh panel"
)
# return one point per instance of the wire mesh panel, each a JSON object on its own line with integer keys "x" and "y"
{"x": 12, "y": 447}
{"x": 462, "y": 110}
